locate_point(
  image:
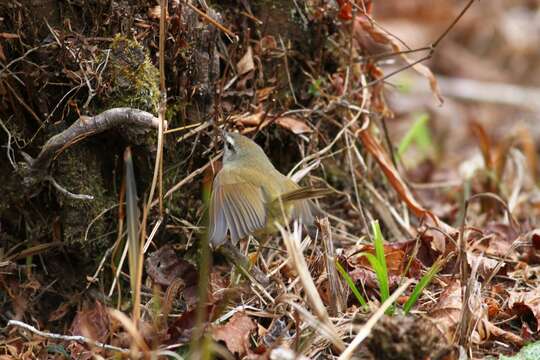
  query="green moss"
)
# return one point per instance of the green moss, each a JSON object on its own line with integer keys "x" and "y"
{"x": 175, "y": 113}
{"x": 79, "y": 171}
{"x": 131, "y": 80}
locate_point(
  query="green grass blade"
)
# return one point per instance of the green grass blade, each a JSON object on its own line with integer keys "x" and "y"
{"x": 418, "y": 133}
{"x": 424, "y": 281}
{"x": 352, "y": 285}
{"x": 378, "y": 242}
{"x": 381, "y": 270}
{"x": 382, "y": 276}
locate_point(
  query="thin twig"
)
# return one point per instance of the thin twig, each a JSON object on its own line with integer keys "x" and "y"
{"x": 213, "y": 22}
{"x": 66, "y": 192}
{"x": 77, "y": 338}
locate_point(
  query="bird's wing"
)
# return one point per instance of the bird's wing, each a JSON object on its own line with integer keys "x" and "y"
{"x": 237, "y": 207}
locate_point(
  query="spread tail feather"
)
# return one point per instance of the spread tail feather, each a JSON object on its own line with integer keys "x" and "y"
{"x": 305, "y": 193}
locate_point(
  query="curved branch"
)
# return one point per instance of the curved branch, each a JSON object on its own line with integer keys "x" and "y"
{"x": 36, "y": 170}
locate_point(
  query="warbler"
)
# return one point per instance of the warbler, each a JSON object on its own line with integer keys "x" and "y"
{"x": 249, "y": 195}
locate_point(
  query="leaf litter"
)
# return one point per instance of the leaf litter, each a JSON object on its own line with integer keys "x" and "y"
{"x": 300, "y": 102}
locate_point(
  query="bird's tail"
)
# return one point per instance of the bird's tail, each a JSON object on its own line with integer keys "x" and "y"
{"x": 305, "y": 193}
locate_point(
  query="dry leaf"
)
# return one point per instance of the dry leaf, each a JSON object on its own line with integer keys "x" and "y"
{"x": 163, "y": 266}
{"x": 246, "y": 63}
{"x": 154, "y": 12}
{"x": 235, "y": 333}
{"x": 2, "y": 55}
{"x": 264, "y": 93}
{"x": 396, "y": 256}
{"x": 363, "y": 25}
{"x": 249, "y": 119}
{"x": 268, "y": 43}
{"x": 8, "y": 36}
{"x": 486, "y": 266}
{"x": 296, "y": 126}
{"x": 92, "y": 322}
{"x": 293, "y": 124}
{"x": 447, "y": 312}
{"x": 522, "y": 302}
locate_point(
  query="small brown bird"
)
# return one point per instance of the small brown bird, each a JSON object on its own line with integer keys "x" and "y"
{"x": 249, "y": 195}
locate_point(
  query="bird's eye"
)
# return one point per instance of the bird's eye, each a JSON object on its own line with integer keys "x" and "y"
{"x": 229, "y": 144}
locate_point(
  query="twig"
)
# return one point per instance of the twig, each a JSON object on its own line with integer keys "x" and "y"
{"x": 464, "y": 266}
{"x": 67, "y": 192}
{"x": 298, "y": 261}
{"x": 23, "y": 56}
{"x": 339, "y": 303}
{"x": 286, "y": 63}
{"x": 84, "y": 127}
{"x": 212, "y": 21}
{"x": 187, "y": 179}
{"x": 100, "y": 266}
{"x": 77, "y": 338}
{"x": 329, "y": 146}
{"x": 10, "y": 154}
{"x": 430, "y": 49}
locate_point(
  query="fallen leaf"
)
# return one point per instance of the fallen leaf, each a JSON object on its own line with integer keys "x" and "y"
{"x": 534, "y": 237}
{"x": 163, "y": 266}
{"x": 486, "y": 266}
{"x": 268, "y": 43}
{"x": 92, "y": 321}
{"x": 447, "y": 312}
{"x": 235, "y": 333}
{"x": 246, "y": 63}
{"x": 8, "y": 36}
{"x": 248, "y": 119}
{"x": 154, "y": 12}
{"x": 295, "y": 125}
{"x": 180, "y": 331}
{"x": 367, "y": 277}
{"x": 500, "y": 241}
{"x": 345, "y": 9}
{"x": 396, "y": 256}
{"x": 525, "y": 302}
{"x": 503, "y": 335}
{"x": 264, "y": 93}
{"x": 60, "y": 312}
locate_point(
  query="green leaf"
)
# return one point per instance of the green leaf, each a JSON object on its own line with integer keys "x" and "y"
{"x": 352, "y": 285}
{"x": 528, "y": 352}
{"x": 419, "y": 134}
{"x": 424, "y": 281}
{"x": 382, "y": 275}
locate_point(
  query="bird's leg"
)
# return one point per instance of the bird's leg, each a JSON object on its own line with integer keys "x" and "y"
{"x": 243, "y": 264}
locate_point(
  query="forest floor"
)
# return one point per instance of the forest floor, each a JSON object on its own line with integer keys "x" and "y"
{"x": 422, "y": 117}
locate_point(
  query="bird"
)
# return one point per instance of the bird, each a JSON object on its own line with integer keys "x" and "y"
{"x": 251, "y": 197}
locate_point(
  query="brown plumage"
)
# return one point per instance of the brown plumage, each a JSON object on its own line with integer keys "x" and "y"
{"x": 249, "y": 195}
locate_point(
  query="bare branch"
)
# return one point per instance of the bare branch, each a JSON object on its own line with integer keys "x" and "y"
{"x": 36, "y": 170}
